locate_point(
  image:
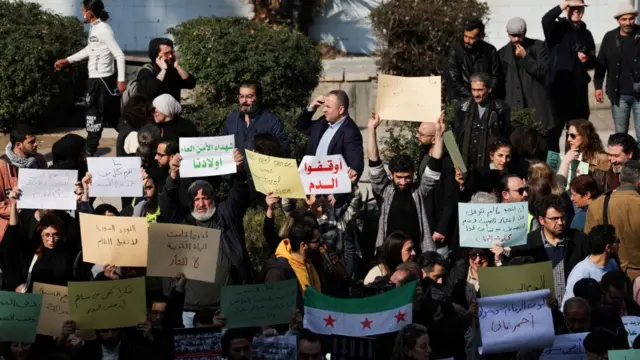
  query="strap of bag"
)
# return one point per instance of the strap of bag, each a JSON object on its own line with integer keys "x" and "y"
{"x": 27, "y": 283}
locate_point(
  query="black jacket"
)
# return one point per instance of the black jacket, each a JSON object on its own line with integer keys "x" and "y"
{"x": 177, "y": 128}
{"x": 609, "y": 59}
{"x": 576, "y": 249}
{"x": 347, "y": 141}
{"x": 441, "y": 204}
{"x": 568, "y": 75}
{"x": 526, "y": 80}
{"x": 499, "y": 127}
{"x": 461, "y": 64}
{"x": 151, "y": 87}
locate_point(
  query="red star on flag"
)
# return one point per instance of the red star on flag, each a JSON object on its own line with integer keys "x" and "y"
{"x": 400, "y": 316}
{"x": 366, "y": 324}
{"x": 329, "y": 321}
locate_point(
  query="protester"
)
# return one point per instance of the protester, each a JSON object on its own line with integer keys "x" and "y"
{"x": 577, "y": 316}
{"x": 470, "y": 56}
{"x": 618, "y": 208}
{"x": 167, "y": 117}
{"x": 603, "y": 249}
{"x": 571, "y": 55}
{"x": 397, "y": 248}
{"x": 617, "y": 59}
{"x": 135, "y": 114}
{"x": 103, "y": 93}
{"x": 480, "y": 121}
{"x": 525, "y": 65}
{"x": 615, "y": 286}
{"x": 402, "y": 206}
{"x": 526, "y": 147}
{"x": 583, "y": 191}
{"x": 514, "y": 189}
{"x": 585, "y": 145}
{"x": 412, "y": 343}
{"x": 621, "y": 148}
{"x": 163, "y": 75}
{"x": 335, "y": 133}
{"x": 309, "y": 346}
{"x": 252, "y": 118}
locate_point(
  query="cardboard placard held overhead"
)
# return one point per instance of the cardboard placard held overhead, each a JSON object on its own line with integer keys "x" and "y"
{"x": 275, "y": 175}
{"x": 207, "y": 156}
{"x": 409, "y": 98}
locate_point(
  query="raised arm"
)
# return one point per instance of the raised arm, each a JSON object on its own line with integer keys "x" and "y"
{"x": 377, "y": 174}
{"x": 434, "y": 167}
{"x": 306, "y": 118}
{"x": 537, "y": 66}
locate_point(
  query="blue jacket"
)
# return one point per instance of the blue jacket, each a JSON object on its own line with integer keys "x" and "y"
{"x": 264, "y": 121}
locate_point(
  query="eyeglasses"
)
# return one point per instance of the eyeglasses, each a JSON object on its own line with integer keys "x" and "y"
{"x": 523, "y": 190}
{"x": 572, "y": 136}
{"x": 423, "y": 135}
{"x": 555, "y": 219}
{"x": 162, "y": 155}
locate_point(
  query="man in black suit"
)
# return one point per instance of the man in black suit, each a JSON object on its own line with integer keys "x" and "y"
{"x": 335, "y": 133}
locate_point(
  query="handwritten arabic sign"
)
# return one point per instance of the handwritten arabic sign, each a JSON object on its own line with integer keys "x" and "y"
{"x": 107, "y": 304}
{"x": 19, "y": 316}
{"x": 275, "y": 348}
{"x": 197, "y": 343}
{"x": 275, "y": 175}
{"x": 632, "y": 325}
{"x": 259, "y": 305}
{"x": 207, "y": 156}
{"x": 515, "y": 322}
{"x": 47, "y": 189}
{"x": 55, "y": 308}
{"x": 115, "y": 176}
{"x": 325, "y": 175}
{"x": 409, "y": 98}
{"x": 515, "y": 279}
{"x": 576, "y": 168}
{"x": 566, "y": 347}
{"x": 114, "y": 240}
{"x": 191, "y": 250}
{"x": 633, "y": 354}
{"x": 482, "y": 225}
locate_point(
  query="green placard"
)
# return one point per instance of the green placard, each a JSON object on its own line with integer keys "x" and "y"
{"x": 259, "y": 305}
{"x": 633, "y": 354}
{"x": 454, "y": 151}
{"x": 19, "y": 314}
{"x": 504, "y": 280}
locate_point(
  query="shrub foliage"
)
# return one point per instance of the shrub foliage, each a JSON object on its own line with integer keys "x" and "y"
{"x": 31, "y": 40}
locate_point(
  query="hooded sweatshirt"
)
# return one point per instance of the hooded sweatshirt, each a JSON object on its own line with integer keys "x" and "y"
{"x": 305, "y": 272}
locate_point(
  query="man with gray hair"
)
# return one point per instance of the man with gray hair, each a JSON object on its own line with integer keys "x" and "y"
{"x": 619, "y": 208}
{"x": 524, "y": 64}
{"x": 480, "y": 122}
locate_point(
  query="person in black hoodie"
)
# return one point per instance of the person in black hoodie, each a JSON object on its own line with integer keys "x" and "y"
{"x": 163, "y": 75}
{"x": 167, "y": 117}
{"x": 571, "y": 54}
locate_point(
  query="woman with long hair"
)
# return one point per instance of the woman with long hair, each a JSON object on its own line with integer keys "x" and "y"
{"x": 397, "y": 248}
{"x": 412, "y": 343}
{"x": 584, "y": 144}
{"x": 543, "y": 181}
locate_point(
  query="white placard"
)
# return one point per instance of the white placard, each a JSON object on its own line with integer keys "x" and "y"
{"x": 47, "y": 189}
{"x": 515, "y": 322}
{"x": 566, "y": 347}
{"x": 632, "y": 325}
{"x": 115, "y": 176}
{"x": 207, "y": 156}
{"x": 324, "y": 175}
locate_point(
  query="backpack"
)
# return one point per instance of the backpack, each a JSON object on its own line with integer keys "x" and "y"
{"x": 132, "y": 86}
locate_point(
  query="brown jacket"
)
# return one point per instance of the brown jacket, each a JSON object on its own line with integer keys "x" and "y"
{"x": 623, "y": 211}
{"x": 8, "y": 180}
{"x": 601, "y": 170}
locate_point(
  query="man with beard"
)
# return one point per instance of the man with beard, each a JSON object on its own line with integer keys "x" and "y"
{"x": 233, "y": 264}
{"x": 251, "y": 119}
{"x": 524, "y": 63}
{"x": 480, "y": 122}
{"x": 468, "y": 57}
{"x": 571, "y": 54}
{"x": 621, "y": 148}
{"x": 618, "y": 59}
{"x": 401, "y": 200}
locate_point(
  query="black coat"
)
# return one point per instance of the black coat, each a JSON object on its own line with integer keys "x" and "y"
{"x": 462, "y": 64}
{"x": 151, "y": 87}
{"x": 177, "y": 128}
{"x": 499, "y": 127}
{"x": 609, "y": 59}
{"x": 526, "y": 80}
{"x": 569, "y": 77}
{"x": 576, "y": 249}
{"x": 347, "y": 141}
{"x": 441, "y": 204}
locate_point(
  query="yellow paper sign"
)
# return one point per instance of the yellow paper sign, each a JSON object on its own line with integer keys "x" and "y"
{"x": 191, "y": 250}
{"x": 275, "y": 175}
{"x": 114, "y": 240}
{"x": 409, "y": 98}
{"x": 55, "y": 308}
{"x": 505, "y": 280}
{"x": 107, "y": 304}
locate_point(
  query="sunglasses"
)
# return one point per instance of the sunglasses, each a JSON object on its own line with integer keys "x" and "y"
{"x": 572, "y": 136}
{"x": 522, "y": 190}
{"x": 148, "y": 187}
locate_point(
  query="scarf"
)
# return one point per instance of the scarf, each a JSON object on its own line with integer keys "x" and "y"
{"x": 167, "y": 105}
{"x": 28, "y": 163}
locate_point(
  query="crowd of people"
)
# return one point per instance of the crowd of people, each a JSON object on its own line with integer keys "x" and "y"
{"x": 582, "y": 223}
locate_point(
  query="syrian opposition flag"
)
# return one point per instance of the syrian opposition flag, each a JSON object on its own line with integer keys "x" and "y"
{"x": 379, "y": 314}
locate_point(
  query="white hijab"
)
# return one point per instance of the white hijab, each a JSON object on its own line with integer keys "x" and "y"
{"x": 167, "y": 105}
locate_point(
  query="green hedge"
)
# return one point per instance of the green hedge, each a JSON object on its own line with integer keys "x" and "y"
{"x": 31, "y": 41}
